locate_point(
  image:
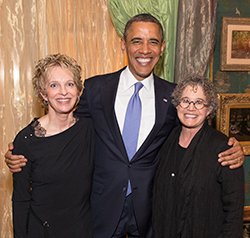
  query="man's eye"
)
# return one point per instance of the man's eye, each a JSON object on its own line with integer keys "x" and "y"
{"x": 154, "y": 42}
{"x": 136, "y": 42}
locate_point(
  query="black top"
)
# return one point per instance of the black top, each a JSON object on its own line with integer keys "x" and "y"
{"x": 202, "y": 199}
{"x": 55, "y": 183}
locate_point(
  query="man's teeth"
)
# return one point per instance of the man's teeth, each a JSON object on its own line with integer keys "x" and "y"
{"x": 143, "y": 60}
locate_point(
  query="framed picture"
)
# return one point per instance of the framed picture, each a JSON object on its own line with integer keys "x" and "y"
{"x": 246, "y": 216}
{"x": 233, "y": 118}
{"x": 235, "y": 44}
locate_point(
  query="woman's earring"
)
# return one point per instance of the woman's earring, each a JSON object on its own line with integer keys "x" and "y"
{"x": 45, "y": 102}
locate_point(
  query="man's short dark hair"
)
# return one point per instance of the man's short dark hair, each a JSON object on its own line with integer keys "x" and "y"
{"x": 144, "y": 17}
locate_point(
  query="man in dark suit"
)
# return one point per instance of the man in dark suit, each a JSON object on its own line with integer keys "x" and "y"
{"x": 122, "y": 187}
{"x": 105, "y": 99}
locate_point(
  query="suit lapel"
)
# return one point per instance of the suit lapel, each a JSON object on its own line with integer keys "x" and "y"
{"x": 161, "y": 108}
{"x": 108, "y": 95}
{"x": 162, "y": 103}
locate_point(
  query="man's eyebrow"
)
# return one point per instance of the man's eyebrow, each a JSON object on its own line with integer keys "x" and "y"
{"x": 154, "y": 39}
{"x": 151, "y": 39}
{"x": 136, "y": 38}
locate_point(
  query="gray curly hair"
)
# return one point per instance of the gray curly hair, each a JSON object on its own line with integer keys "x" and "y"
{"x": 208, "y": 90}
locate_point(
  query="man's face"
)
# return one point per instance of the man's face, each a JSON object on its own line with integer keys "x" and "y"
{"x": 144, "y": 47}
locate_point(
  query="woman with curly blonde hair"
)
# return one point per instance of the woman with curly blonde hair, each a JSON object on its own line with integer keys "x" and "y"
{"x": 51, "y": 195}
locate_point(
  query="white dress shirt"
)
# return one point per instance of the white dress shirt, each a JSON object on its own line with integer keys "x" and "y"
{"x": 147, "y": 95}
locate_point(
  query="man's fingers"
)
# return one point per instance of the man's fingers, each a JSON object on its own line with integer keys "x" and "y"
{"x": 232, "y": 141}
{"x": 10, "y": 146}
{"x": 232, "y": 153}
{"x": 15, "y": 166}
{"x": 230, "y": 160}
{"x": 226, "y": 154}
{"x": 237, "y": 165}
{"x": 16, "y": 162}
{"x": 226, "y": 162}
{"x": 15, "y": 170}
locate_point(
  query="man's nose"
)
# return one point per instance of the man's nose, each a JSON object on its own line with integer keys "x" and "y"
{"x": 145, "y": 48}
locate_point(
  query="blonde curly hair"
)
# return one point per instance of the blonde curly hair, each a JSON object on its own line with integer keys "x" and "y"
{"x": 42, "y": 70}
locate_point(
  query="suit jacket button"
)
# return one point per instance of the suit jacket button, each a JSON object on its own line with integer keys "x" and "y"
{"x": 129, "y": 165}
{"x": 124, "y": 189}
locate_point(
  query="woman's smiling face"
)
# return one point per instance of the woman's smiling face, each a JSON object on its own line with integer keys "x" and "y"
{"x": 190, "y": 117}
{"x": 61, "y": 91}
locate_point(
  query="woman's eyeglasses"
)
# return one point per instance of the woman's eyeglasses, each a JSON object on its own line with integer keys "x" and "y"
{"x": 199, "y": 104}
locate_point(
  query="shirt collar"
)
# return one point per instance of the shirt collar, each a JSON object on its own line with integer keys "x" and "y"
{"x": 129, "y": 80}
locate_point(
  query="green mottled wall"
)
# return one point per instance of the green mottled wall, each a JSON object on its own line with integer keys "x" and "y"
{"x": 232, "y": 82}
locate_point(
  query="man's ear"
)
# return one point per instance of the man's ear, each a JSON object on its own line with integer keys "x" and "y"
{"x": 123, "y": 45}
{"x": 163, "y": 44}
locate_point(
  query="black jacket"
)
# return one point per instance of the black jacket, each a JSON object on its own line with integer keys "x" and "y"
{"x": 202, "y": 199}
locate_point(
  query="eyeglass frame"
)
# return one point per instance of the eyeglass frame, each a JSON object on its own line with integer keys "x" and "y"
{"x": 189, "y": 102}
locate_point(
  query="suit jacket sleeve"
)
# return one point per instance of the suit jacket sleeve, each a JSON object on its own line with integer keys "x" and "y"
{"x": 83, "y": 106}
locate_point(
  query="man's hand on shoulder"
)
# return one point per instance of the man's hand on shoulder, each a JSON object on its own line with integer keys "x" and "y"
{"x": 14, "y": 162}
{"x": 234, "y": 157}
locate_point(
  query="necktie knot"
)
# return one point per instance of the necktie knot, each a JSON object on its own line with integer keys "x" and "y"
{"x": 138, "y": 87}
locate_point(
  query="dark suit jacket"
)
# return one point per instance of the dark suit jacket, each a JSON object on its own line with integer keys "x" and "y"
{"x": 112, "y": 167}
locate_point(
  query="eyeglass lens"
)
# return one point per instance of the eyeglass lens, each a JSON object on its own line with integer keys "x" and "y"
{"x": 199, "y": 104}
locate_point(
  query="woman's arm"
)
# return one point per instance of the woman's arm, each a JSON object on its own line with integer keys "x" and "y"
{"x": 21, "y": 193}
{"x": 233, "y": 201}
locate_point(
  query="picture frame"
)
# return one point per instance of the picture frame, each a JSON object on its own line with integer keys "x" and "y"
{"x": 235, "y": 107}
{"x": 235, "y": 44}
{"x": 233, "y": 118}
{"x": 246, "y": 216}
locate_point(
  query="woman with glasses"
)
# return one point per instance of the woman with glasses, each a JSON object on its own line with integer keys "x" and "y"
{"x": 194, "y": 196}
